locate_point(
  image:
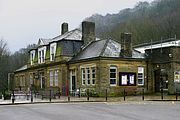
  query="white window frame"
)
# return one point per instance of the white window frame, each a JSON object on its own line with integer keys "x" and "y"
{"x": 56, "y": 77}
{"x": 41, "y": 54}
{"x": 52, "y": 51}
{"x": 140, "y": 71}
{"x": 112, "y": 67}
{"x": 88, "y": 76}
{"x": 51, "y": 77}
{"x": 93, "y": 73}
{"x": 83, "y": 72}
{"x": 32, "y": 56}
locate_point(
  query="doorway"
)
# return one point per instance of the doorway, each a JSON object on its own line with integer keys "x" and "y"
{"x": 73, "y": 80}
{"x": 161, "y": 80}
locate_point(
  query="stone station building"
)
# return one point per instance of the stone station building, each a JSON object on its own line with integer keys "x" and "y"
{"x": 77, "y": 59}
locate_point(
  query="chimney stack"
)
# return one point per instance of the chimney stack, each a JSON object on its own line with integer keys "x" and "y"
{"x": 126, "y": 44}
{"x": 64, "y": 28}
{"x": 88, "y": 32}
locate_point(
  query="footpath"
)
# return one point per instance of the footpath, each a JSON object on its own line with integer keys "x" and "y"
{"x": 66, "y": 99}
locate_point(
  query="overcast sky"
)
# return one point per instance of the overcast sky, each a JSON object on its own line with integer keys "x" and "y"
{"x": 23, "y": 22}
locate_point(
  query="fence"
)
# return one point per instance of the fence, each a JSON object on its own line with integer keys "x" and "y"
{"x": 81, "y": 95}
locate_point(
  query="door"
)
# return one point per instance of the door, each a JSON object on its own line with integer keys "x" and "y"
{"x": 73, "y": 80}
{"x": 157, "y": 80}
{"x": 161, "y": 80}
{"x": 73, "y": 83}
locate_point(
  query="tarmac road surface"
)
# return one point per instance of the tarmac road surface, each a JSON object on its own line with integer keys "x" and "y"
{"x": 92, "y": 111}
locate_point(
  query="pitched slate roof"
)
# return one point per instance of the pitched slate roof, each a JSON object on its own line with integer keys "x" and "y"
{"x": 22, "y": 68}
{"x": 75, "y": 34}
{"x": 43, "y": 41}
{"x": 103, "y": 48}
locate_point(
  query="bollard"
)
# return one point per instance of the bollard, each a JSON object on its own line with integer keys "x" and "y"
{"x": 27, "y": 96}
{"x": 87, "y": 94}
{"x": 31, "y": 96}
{"x": 49, "y": 95}
{"x": 79, "y": 92}
{"x": 59, "y": 93}
{"x": 124, "y": 95}
{"x": 13, "y": 97}
{"x": 106, "y": 95}
{"x": 161, "y": 94}
{"x": 69, "y": 97}
{"x": 143, "y": 94}
{"x": 176, "y": 95}
{"x": 42, "y": 96}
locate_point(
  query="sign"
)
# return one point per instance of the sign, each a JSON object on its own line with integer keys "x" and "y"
{"x": 177, "y": 76}
{"x": 124, "y": 79}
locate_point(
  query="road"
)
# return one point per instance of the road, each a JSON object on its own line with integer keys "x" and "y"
{"x": 92, "y": 111}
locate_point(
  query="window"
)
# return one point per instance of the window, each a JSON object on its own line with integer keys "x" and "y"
{"x": 113, "y": 72}
{"x": 51, "y": 78}
{"x": 56, "y": 77}
{"x": 88, "y": 76}
{"x": 22, "y": 80}
{"x": 127, "y": 79}
{"x": 32, "y": 56}
{"x": 41, "y": 54}
{"x": 140, "y": 75}
{"x": 93, "y": 71}
{"x": 52, "y": 51}
{"x": 42, "y": 57}
{"x": 83, "y": 76}
{"x": 31, "y": 78}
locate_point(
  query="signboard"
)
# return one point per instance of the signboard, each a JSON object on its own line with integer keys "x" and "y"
{"x": 124, "y": 80}
{"x": 127, "y": 78}
{"x": 177, "y": 76}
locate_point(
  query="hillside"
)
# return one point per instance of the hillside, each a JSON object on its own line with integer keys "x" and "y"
{"x": 145, "y": 21}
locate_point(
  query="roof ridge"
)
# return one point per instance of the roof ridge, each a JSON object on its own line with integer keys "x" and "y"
{"x": 70, "y": 32}
{"x": 105, "y": 46}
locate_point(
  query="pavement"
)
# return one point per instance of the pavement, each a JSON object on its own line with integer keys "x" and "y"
{"x": 128, "y": 110}
{"x": 64, "y": 99}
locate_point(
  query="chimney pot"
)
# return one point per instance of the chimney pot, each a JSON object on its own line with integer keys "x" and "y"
{"x": 64, "y": 28}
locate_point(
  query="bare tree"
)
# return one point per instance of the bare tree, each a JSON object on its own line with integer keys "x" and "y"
{"x": 4, "y": 61}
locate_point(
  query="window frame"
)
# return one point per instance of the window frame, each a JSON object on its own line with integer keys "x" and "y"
{"x": 142, "y": 71}
{"x": 51, "y": 78}
{"x": 41, "y": 54}
{"x": 115, "y": 68}
{"x": 93, "y": 73}
{"x": 83, "y": 72}
{"x": 53, "y": 51}
{"x": 56, "y": 77}
{"x": 32, "y": 56}
{"x": 88, "y": 76}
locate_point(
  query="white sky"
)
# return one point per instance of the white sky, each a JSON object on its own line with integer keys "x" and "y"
{"x": 23, "y": 22}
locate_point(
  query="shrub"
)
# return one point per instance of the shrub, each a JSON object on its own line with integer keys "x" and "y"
{"x": 7, "y": 95}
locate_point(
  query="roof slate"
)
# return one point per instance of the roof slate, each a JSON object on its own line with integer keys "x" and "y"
{"x": 22, "y": 68}
{"x": 103, "y": 48}
{"x": 75, "y": 34}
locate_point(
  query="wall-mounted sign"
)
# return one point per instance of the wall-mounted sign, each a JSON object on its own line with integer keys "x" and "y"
{"x": 177, "y": 76}
{"x": 127, "y": 79}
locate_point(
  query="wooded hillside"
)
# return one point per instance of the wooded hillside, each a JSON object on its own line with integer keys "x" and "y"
{"x": 145, "y": 21}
